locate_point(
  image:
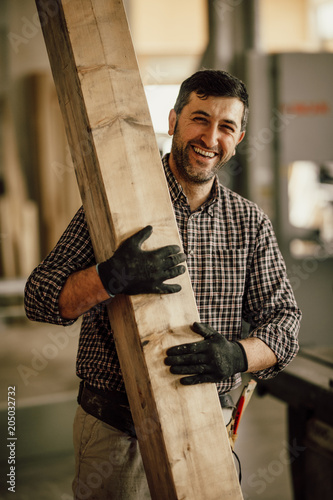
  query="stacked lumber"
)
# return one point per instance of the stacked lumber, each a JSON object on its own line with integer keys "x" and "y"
{"x": 36, "y": 202}
{"x": 19, "y": 241}
{"x": 52, "y": 169}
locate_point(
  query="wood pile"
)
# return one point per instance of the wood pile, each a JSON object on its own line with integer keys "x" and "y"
{"x": 38, "y": 201}
{"x": 19, "y": 242}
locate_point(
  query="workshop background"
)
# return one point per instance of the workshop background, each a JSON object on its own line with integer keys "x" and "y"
{"x": 283, "y": 50}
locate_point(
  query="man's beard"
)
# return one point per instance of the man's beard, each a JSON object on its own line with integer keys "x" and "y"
{"x": 183, "y": 164}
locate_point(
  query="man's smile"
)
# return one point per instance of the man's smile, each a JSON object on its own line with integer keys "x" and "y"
{"x": 202, "y": 152}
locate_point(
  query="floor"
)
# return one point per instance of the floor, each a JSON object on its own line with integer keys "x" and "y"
{"x": 262, "y": 448}
{"x": 39, "y": 360}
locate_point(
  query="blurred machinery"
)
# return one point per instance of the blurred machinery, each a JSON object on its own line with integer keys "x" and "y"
{"x": 289, "y": 157}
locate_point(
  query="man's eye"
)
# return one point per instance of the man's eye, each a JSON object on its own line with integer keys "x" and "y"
{"x": 200, "y": 119}
{"x": 228, "y": 128}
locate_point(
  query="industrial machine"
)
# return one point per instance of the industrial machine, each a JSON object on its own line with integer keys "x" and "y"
{"x": 289, "y": 157}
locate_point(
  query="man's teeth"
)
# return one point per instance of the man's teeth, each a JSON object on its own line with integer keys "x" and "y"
{"x": 204, "y": 153}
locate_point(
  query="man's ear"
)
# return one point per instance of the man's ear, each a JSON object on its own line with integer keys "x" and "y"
{"x": 172, "y": 121}
{"x": 241, "y": 137}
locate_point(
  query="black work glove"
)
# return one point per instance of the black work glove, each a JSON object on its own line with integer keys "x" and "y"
{"x": 210, "y": 360}
{"x": 132, "y": 271}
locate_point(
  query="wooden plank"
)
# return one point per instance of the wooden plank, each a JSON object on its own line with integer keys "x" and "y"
{"x": 181, "y": 431}
{"x": 304, "y": 384}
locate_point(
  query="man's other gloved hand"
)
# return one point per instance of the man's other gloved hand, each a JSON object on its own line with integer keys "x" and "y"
{"x": 132, "y": 271}
{"x": 210, "y": 360}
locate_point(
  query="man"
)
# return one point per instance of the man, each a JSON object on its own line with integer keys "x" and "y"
{"x": 236, "y": 270}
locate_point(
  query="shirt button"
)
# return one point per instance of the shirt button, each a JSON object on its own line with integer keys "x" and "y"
{"x": 191, "y": 252}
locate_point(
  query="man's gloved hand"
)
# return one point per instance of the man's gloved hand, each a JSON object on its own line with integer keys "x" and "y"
{"x": 210, "y": 360}
{"x": 132, "y": 271}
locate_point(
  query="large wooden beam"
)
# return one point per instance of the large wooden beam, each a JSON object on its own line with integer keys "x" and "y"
{"x": 181, "y": 431}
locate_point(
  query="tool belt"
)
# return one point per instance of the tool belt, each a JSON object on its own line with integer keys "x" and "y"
{"x": 112, "y": 407}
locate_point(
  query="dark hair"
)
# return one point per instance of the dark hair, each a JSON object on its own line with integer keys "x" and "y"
{"x": 211, "y": 82}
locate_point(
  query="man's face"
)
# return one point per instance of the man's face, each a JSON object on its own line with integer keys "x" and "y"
{"x": 205, "y": 136}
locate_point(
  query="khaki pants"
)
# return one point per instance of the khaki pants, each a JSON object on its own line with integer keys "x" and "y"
{"x": 108, "y": 463}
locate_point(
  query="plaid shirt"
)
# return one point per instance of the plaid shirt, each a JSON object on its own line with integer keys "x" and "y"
{"x": 236, "y": 270}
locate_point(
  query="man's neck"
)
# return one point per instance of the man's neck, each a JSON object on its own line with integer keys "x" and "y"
{"x": 196, "y": 193}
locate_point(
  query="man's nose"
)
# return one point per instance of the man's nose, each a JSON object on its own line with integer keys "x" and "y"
{"x": 210, "y": 136}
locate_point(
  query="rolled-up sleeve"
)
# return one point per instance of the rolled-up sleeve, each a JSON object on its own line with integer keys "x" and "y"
{"x": 269, "y": 303}
{"x": 72, "y": 253}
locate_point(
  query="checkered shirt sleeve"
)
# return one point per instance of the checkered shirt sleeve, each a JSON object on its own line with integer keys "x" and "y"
{"x": 72, "y": 253}
{"x": 97, "y": 360}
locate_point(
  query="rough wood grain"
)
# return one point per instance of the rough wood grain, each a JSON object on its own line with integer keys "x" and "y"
{"x": 181, "y": 432}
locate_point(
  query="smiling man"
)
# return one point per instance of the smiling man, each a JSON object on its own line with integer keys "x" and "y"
{"x": 235, "y": 266}
{"x": 205, "y": 133}
{"x": 237, "y": 274}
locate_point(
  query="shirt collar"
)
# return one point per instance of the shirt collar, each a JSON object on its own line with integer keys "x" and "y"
{"x": 176, "y": 191}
